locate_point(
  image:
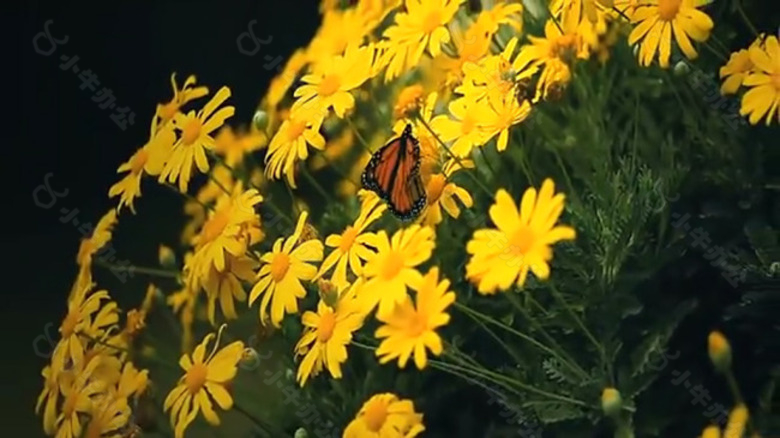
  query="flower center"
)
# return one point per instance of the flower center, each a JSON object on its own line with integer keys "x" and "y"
{"x": 196, "y": 377}
{"x": 776, "y": 80}
{"x": 432, "y": 21}
{"x": 295, "y": 129}
{"x": 69, "y": 407}
{"x": 435, "y": 188}
{"x": 168, "y": 110}
{"x": 668, "y": 9}
{"x": 279, "y": 266}
{"x": 347, "y": 239}
{"x": 329, "y": 85}
{"x": 521, "y": 241}
{"x": 563, "y": 45}
{"x": 417, "y": 325}
{"x": 69, "y": 323}
{"x": 138, "y": 161}
{"x": 214, "y": 226}
{"x": 326, "y": 326}
{"x": 392, "y": 266}
{"x": 467, "y": 124}
{"x": 191, "y": 131}
{"x": 375, "y": 416}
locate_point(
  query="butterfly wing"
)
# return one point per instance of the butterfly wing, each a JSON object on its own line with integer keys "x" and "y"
{"x": 393, "y": 173}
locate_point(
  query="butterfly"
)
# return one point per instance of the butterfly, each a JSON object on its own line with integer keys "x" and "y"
{"x": 393, "y": 173}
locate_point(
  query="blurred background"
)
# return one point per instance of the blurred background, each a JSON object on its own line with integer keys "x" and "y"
{"x": 57, "y": 130}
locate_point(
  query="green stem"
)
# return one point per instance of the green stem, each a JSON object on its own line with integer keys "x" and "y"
{"x": 455, "y": 157}
{"x": 267, "y": 428}
{"x": 326, "y": 197}
{"x": 559, "y": 352}
{"x": 745, "y": 18}
{"x": 360, "y": 138}
{"x": 567, "y": 361}
{"x": 219, "y": 184}
{"x": 138, "y": 269}
{"x": 492, "y": 334}
{"x": 188, "y": 196}
{"x": 125, "y": 350}
{"x": 600, "y": 348}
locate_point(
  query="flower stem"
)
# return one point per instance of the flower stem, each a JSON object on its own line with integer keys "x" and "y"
{"x": 138, "y": 269}
{"x": 455, "y": 157}
{"x": 326, "y": 197}
{"x": 188, "y": 196}
{"x": 600, "y": 348}
{"x": 125, "y": 350}
{"x": 360, "y": 138}
{"x": 558, "y": 352}
{"x": 471, "y": 314}
{"x": 267, "y": 428}
{"x": 743, "y": 15}
{"x": 566, "y": 360}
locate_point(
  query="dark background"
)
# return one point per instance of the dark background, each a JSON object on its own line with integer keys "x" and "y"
{"x": 55, "y": 128}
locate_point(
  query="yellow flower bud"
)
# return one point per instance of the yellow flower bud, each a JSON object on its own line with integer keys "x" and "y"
{"x": 329, "y": 294}
{"x": 611, "y": 401}
{"x": 167, "y": 257}
{"x": 738, "y": 418}
{"x": 719, "y": 350}
{"x": 711, "y": 432}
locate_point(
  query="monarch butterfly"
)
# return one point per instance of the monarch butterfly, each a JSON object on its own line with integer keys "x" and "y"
{"x": 394, "y": 174}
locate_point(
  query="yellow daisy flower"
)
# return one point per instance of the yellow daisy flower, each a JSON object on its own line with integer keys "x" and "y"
{"x": 521, "y": 241}
{"x": 204, "y": 381}
{"x": 350, "y": 247}
{"x": 625, "y": 8}
{"x": 491, "y": 76}
{"x": 88, "y": 315}
{"x": 227, "y": 231}
{"x": 149, "y": 160}
{"x": 220, "y": 179}
{"x": 393, "y": 267}
{"x": 763, "y": 97}
{"x": 78, "y": 393}
{"x": 132, "y": 382}
{"x": 233, "y": 145}
{"x": 409, "y": 100}
{"x": 187, "y": 93}
{"x": 442, "y": 194}
{"x": 412, "y": 329}
{"x": 281, "y": 272}
{"x": 735, "y": 71}
{"x": 109, "y": 415}
{"x": 504, "y": 112}
{"x": 330, "y": 84}
{"x": 340, "y": 28}
{"x": 655, "y": 21}
{"x": 552, "y": 54}
{"x": 422, "y": 26}
{"x": 226, "y": 286}
{"x": 573, "y": 12}
{"x": 464, "y": 128}
{"x": 289, "y": 145}
{"x": 49, "y": 396}
{"x": 385, "y": 416}
{"x": 471, "y": 46}
{"x": 326, "y": 334}
{"x": 195, "y": 129}
{"x": 508, "y": 13}
{"x": 101, "y": 235}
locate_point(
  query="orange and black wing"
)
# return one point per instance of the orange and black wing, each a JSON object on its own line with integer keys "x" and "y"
{"x": 394, "y": 174}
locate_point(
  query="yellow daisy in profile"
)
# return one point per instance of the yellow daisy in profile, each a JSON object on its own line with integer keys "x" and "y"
{"x": 149, "y": 160}
{"x": 735, "y": 71}
{"x": 281, "y": 83}
{"x": 132, "y": 382}
{"x": 109, "y": 415}
{"x": 290, "y": 145}
{"x": 422, "y": 26}
{"x": 411, "y": 329}
{"x": 281, "y": 272}
{"x": 763, "y": 97}
{"x": 385, "y": 416}
{"x": 225, "y": 286}
{"x": 99, "y": 238}
{"x": 187, "y": 93}
{"x": 195, "y": 129}
{"x": 339, "y": 29}
{"x": 227, "y": 231}
{"x": 442, "y": 194}
{"x": 656, "y": 20}
{"x": 330, "y": 84}
{"x": 393, "y": 267}
{"x": 204, "y": 381}
{"x": 521, "y": 241}
{"x": 463, "y": 128}
{"x": 88, "y": 315}
{"x": 351, "y": 246}
{"x": 504, "y": 112}
{"x": 552, "y": 54}
{"x": 78, "y": 395}
{"x": 49, "y": 397}
{"x": 409, "y": 100}
{"x": 491, "y": 76}
{"x": 234, "y": 144}
{"x": 326, "y": 334}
